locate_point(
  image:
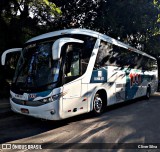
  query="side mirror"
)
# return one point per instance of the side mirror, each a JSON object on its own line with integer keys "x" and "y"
{"x": 57, "y": 45}
{"x": 3, "y": 57}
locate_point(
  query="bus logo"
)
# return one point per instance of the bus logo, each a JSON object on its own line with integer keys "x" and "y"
{"x": 135, "y": 79}
{"x": 32, "y": 96}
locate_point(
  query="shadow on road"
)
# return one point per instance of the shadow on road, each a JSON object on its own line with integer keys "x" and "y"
{"x": 15, "y": 126}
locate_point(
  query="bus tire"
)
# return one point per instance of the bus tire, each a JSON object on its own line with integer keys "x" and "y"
{"x": 98, "y": 105}
{"x": 148, "y": 93}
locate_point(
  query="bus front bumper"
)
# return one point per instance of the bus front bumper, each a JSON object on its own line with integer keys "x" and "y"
{"x": 49, "y": 111}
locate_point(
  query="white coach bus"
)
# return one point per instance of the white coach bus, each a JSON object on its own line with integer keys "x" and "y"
{"x": 69, "y": 72}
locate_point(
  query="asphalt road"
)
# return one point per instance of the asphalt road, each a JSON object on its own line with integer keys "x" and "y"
{"x": 137, "y": 121}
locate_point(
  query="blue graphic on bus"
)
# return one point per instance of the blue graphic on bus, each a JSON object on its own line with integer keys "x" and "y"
{"x": 99, "y": 76}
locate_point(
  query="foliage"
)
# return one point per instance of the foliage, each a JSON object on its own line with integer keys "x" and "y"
{"x": 19, "y": 21}
{"x": 136, "y": 22}
{"x": 22, "y": 19}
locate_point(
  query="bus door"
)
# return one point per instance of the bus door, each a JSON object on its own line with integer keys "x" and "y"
{"x": 71, "y": 98}
{"x": 72, "y": 89}
{"x": 120, "y": 83}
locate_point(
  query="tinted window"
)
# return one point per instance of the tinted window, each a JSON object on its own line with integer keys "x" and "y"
{"x": 77, "y": 57}
{"x": 112, "y": 55}
{"x": 149, "y": 64}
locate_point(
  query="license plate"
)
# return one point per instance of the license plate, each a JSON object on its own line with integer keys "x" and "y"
{"x": 26, "y": 111}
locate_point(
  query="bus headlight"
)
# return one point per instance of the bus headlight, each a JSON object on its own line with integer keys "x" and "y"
{"x": 51, "y": 99}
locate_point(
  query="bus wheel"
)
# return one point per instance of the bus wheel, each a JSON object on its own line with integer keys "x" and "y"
{"x": 148, "y": 93}
{"x": 97, "y": 105}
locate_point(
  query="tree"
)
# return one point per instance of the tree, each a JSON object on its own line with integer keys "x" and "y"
{"x": 134, "y": 22}
{"x": 19, "y": 21}
{"x": 22, "y": 19}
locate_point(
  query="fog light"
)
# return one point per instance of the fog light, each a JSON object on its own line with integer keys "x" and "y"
{"x": 53, "y": 112}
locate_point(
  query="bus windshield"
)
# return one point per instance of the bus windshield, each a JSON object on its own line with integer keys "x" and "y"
{"x": 38, "y": 70}
{"x": 35, "y": 67}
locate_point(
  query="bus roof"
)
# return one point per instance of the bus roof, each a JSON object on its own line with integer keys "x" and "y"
{"x": 63, "y": 32}
{"x": 89, "y": 33}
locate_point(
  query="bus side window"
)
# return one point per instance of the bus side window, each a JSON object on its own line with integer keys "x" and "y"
{"x": 72, "y": 66}
{"x": 105, "y": 55}
{"x": 145, "y": 63}
{"x": 154, "y": 64}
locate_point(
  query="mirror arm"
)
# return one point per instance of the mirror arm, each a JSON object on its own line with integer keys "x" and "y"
{"x": 58, "y": 45}
{"x": 3, "y": 57}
